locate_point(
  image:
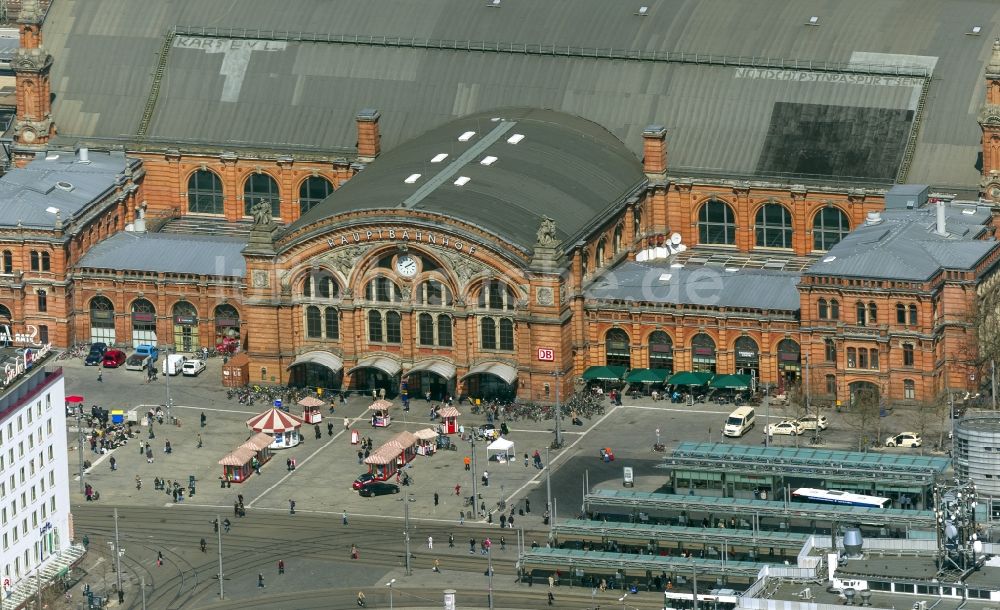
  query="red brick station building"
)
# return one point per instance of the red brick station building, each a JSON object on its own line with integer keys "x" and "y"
{"x": 478, "y": 197}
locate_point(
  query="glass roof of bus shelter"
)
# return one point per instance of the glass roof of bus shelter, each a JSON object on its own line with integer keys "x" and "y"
{"x": 630, "y": 561}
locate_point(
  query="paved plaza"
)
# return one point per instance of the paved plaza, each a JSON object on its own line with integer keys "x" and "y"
{"x": 321, "y": 483}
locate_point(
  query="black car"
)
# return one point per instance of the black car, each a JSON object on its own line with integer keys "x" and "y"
{"x": 378, "y": 489}
{"x": 96, "y": 354}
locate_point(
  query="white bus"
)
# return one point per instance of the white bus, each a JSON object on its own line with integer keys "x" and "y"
{"x": 832, "y": 496}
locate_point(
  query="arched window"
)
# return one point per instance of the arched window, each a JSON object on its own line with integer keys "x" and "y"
{"x": 913, "y": 315}
{"x": 33, "y": 257}
{"x": 313, "y": 190}
{"x": 773, "y": 226}
{"x": 8, "y": 261}
{"x": 703, "y": 353}
{"x": 495, "y": 294}
{"x": 382, "y": 290}
{"x": 434, "y": 292}
{"x": 506, "y": 334}
{"x": 616, "y": 348}
{"x": 716, "y": 223}
{"x": 374, "y": 326}
{"x": 824, "y": 309}
{"x": 320, "y": 284}
{"x": 616, "y": 242}
{"x": 873, "y": 358}
{"x": 746, "y": 354}
{"x": 425, "y": 329}
{"x": 4, "y": 313}
{"x": 831, "y": 385}
{"x": 872, "y": 313}
{"x": 636, "y": 223}
{"x": 852, "y": 358}
{"x": 314, "y": 323}
{"x": 488, "y": 333}
{"x": 205, "y": 194}
{"x": 444, "y": 330}
{"x": 908, "y": 354}
{"x": 143, "y": 322}
{"x": 261, "y": 187}
{"x": 599, "y": 258}
{"x": 900, "y": 313}
{"x": 227, "y": 328}
{"x": 831, "y": 350}
{"x": 46, "y": 262}
{"x": 661, "y": 351}
{"x": 862, "y": 313}
{"x": 331, "y": 318}
{"x": 834, "y": 309}
{"x": 43, "y": 300}
{"x": 909, "y": 389}
{"x": 585, "y": 263}
{"x": 830, "y": 225}
{"x": 393, "y": 327}
{"x": 102, "y": 320}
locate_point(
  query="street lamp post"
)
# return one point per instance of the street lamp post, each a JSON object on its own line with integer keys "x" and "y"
{"x": 622, "y": 600}
{"x": 218, "y": 529}
{"x": 389, "y": 584}
{"x": 558, "y": 376}
{"x": 472, "y": 445}
{"x": 79, "y": 443}
{"x": 118, "y": 556}
{"x": 166, "y": 374}
{"x": 489, "y": 572}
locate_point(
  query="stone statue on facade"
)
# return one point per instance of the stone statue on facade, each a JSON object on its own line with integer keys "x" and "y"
{"x": 261, "y": 212}
{"x": 546, "y": 236}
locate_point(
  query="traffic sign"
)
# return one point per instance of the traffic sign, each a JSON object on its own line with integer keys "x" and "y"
{"x": 546, "y": 355}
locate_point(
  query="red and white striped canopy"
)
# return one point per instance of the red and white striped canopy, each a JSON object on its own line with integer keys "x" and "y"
{"x": 273, "y": 421}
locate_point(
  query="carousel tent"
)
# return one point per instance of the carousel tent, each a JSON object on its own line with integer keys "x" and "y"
{"x": 502, "y": 446}
{"x": 274, "y": 421}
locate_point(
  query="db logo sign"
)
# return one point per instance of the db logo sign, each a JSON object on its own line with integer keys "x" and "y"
{"x": 546, "y": 355}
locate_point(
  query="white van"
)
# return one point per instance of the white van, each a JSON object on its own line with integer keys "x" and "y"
{"x": 173, "y": 363}
{"x": 739, "y": 422}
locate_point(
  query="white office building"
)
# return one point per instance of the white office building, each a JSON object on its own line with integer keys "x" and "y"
{"x": 35, "y": 531}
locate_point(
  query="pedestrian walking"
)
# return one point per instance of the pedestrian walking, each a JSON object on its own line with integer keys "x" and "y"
{"x": 281, "y": 566}
{"x": 260, "y": 580}
{"x": 329, "y": 428}
{"x": 437, "y": 566}
{"x": 159, "y": 558}
{"x": 468, "y": 462}
{"x": 100, "y": 375}
{"x": 486, "y": 479}
{"x": 361, "y": 456}
{"x": 458, "y": 489}
{"x": 138, "y": 482}
{"x": 527, "y": 505}
{"x": 236, "y": 508}
{"x": 347, "y": 424}
{"x": 451, "y": 541}
{"x": 288, "y": 464}
{"x": 344, "y": 517}
{"x": 226, "y": 523}
{"x": 525, "y": 460}
{"x": 435, "y": 498}
{"x": 552, "y": 581}
{"x": 430, "y": 543}
{"x": 552, "y": 598}
{"x": 354, "y": 551}
{"x": 291, "y": 507}
{"x": 318, "y": 433}
{"x": 149, "y": 455}
{"x": 472, "y": 546}
{"x": 204, "y": 419}
{"x": 114, "y": 464}
{"x": 503, "y": 544}
{"x": 503, "y": 521}
{"x": 167, "y": 448}
{"x": 199, "y": 441}
{"x": 142, "y": 448}
{"x": 461, "y": 518}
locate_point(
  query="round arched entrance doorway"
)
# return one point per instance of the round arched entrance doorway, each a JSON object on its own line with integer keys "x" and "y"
{"x": 864, "y": 394}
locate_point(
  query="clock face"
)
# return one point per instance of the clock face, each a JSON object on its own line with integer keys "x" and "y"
{"x": 406, "y": 265}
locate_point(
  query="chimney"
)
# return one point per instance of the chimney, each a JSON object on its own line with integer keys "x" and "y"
{"x": 84, "y": 155}
{"x": 941, "y": 228}
{"x": 368, "y": 136}
{"x": 654, "y": 149}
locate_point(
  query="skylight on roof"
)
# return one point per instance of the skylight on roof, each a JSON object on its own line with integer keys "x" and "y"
{"x": 829, "y": 259}
{"x": 439, "y": 157}
{"x": 488, "y": 160}
{"x": 412, "y": 178}
{"x": 968, "y": 211}
{"x": 665, "y": 277}
{"x": 514, "y": 139}
{"x": 732, "y": 269}
{"x": 677, "y": 265}
{"x": 52, "y": 210}
{"x": 462, "y": 181}
{"x": 465, "y": 137}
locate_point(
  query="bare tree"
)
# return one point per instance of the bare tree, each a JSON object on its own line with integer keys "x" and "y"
{"x": 930, "y": 415}
{"x": 862, "y": 416}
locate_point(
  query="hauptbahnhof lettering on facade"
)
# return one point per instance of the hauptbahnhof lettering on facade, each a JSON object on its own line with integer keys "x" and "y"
{"x": 399, "y": 234}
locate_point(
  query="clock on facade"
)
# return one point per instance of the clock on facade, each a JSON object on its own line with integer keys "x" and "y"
{"x": 406, "y": 265}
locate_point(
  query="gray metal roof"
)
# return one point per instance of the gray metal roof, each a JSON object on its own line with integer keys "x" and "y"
{"x": 32, "y": 194}
{"x": 566, "y": 168}
{"x": 168, "y": 253}
{"x": 710, "y": 286}
{"x": 905, "y": 245}
{"x": 295, "y": 93}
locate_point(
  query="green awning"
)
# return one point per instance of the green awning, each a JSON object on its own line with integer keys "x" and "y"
{"x": 647, "y": 375}
{"x": 690, "y": 378}
{"x": 603, "y": 373}
{"x": 731, "y": 382}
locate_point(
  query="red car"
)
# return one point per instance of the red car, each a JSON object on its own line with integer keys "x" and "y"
{"x": 113, "y": 358}
{"x": 363, "y": 481}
